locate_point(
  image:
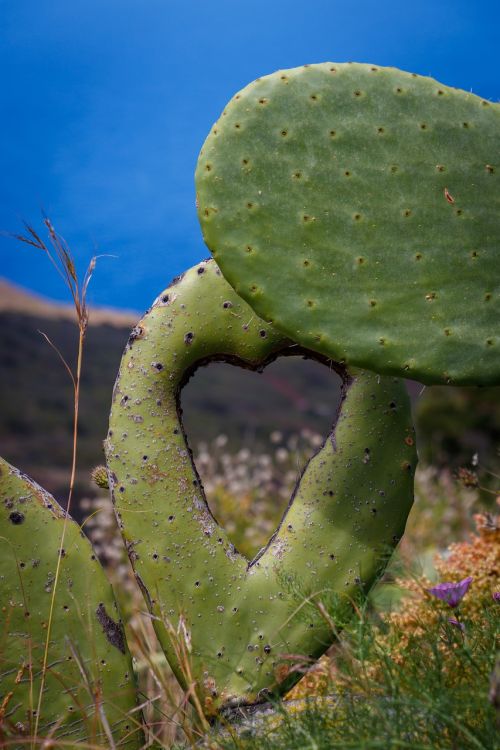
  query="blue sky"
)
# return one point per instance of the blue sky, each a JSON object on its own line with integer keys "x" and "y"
{"x": 106, "y": 103}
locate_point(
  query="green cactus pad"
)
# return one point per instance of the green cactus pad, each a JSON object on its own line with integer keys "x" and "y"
{"x": 222, "y": 620}
{"x": 89, "y": 687}
{"x": 358, "y": 209}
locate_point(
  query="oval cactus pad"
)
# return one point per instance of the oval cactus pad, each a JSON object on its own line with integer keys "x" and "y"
{"x": 357, "y": 208}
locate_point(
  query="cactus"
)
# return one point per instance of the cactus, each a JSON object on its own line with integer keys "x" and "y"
{"x": 357, "y": 208}
{"x": 238, "y": 620}
{"x": 89, "y": 687}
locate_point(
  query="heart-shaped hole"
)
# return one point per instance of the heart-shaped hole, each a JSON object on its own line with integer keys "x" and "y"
{"x": 252, "y": 435}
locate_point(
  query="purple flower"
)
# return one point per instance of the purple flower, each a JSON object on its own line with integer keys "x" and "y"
{"x": 496, "y": 596}
{"x": 456, "y": 623}
{"x": 451, "y": 593}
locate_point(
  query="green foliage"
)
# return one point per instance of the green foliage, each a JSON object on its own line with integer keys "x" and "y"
{"x": 436, "y": 698}
{"x": 234, "y": 617}
{"x": 88, "y": 689}
{"x": 357, "y": 208}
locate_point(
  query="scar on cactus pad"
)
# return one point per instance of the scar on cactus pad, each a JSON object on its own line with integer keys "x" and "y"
{"x": 89, "y": 683}
{"x": 358, "y": 208}
{"x": 240, "y": 619}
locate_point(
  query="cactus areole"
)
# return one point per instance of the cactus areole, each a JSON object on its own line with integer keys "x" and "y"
{"x": 357, "y": 208}
{"x": 232, "y": 625}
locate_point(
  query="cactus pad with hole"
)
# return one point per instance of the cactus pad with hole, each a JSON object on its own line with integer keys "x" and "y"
{"x": 235, "y": 626}
{"x": 358, "y": 209}
{"x": 89, "y": 686}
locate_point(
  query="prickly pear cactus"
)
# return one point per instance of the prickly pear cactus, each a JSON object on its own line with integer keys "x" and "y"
{"x": 226, "y": 622}
{"x": 89, "y": 687}
{"x": 358, "y": 209}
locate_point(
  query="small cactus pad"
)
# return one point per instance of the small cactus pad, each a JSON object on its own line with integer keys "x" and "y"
{"x": 358, "y": 209}
{"x": 222, "y": 620}
{"x": 89, "y": 687}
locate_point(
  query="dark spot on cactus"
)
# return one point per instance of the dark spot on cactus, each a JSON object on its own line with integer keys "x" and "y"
{"x": 16, "y": 517}
{"x": 176, "y": 430}
{"x": 111, "y": 629}
{"x": 62, "y": 553}
{"x": 358, "y": 93}
{"x": 65, "y": 607}
{"x": 297, "y": 175}
{"x": 489, "y": 169}
{"x": 459, "y": 212}
{"x": 399, "y": 90}
{"x": 418, "y": 256}
{"x": 306, "y": 218}
{"x": 219, "y": 654}
{"x": 393, "y": 405}
{"x": 447, "y": 332}
{"x": 406, "y": 466}
{"x": 227, "y": 305}
{"x": 380, "y": 130}
{"x": 144, "y": 458}
{"x": 409, "y": 440}
{"x": 440, "y": 92}
{"x": 201, "y": 270}
{"x": 188, "y": 338}
{"x": 171, "y": 518}
{"x": 237, "y": 126}
{"x": 423, "y": 126}
{"x": 235, "y": 609}
{"x": 283, "y": 78}
{"x": 158, "y": 366}
{"x": 440, "y": 167}
{"x": 347, "y": 173}
{"x": 22, "y": 565}
{"x": 179, "y": 277}
{"x": 249, "y": 249}
{"x": 407, "y": 212}
{"x": 487, "y": 296}
{"x": 263, "y": 100}
{"x": 366, "y": 456}
{"x": 135, "y": 333}
{"x": 474, "y": 254}
{"x": 373, "y": 510}
{"x": 311, "y": 625}
{"x": 284, "y": 133}
{"x": 306, "y": 263}
{"x": 208, "y": 167}
{"x": 249, "y": 204}
{"x": 197, "y": 583}
{"x": 314, "y": 97}
{"x": 490, "y": 342}
{"x": 310, "y": 303}
{"x": 430, "y": 296}
{"x": 381, "y": 341}
{"x": 360, "y": 260}
{"x": 333, "y": 70}
{"x": 393, "y": 168}
{"x": 121, "y": 489}
{"x": 485, "y": 103}
{"x": 262, "y": 333}
{"x": 373, "y": 303}
{"x": 155, "y": 556}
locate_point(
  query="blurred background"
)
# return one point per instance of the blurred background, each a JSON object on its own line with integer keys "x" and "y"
{"x": 105, "y": 106}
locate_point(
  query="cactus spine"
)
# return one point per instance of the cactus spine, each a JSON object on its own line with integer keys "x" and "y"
{"x": 349, "y": 507}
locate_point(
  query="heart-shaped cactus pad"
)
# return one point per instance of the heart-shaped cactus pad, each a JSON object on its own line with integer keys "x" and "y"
{"x": 357, "y": 208}
{"x": 232, "y": 626}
